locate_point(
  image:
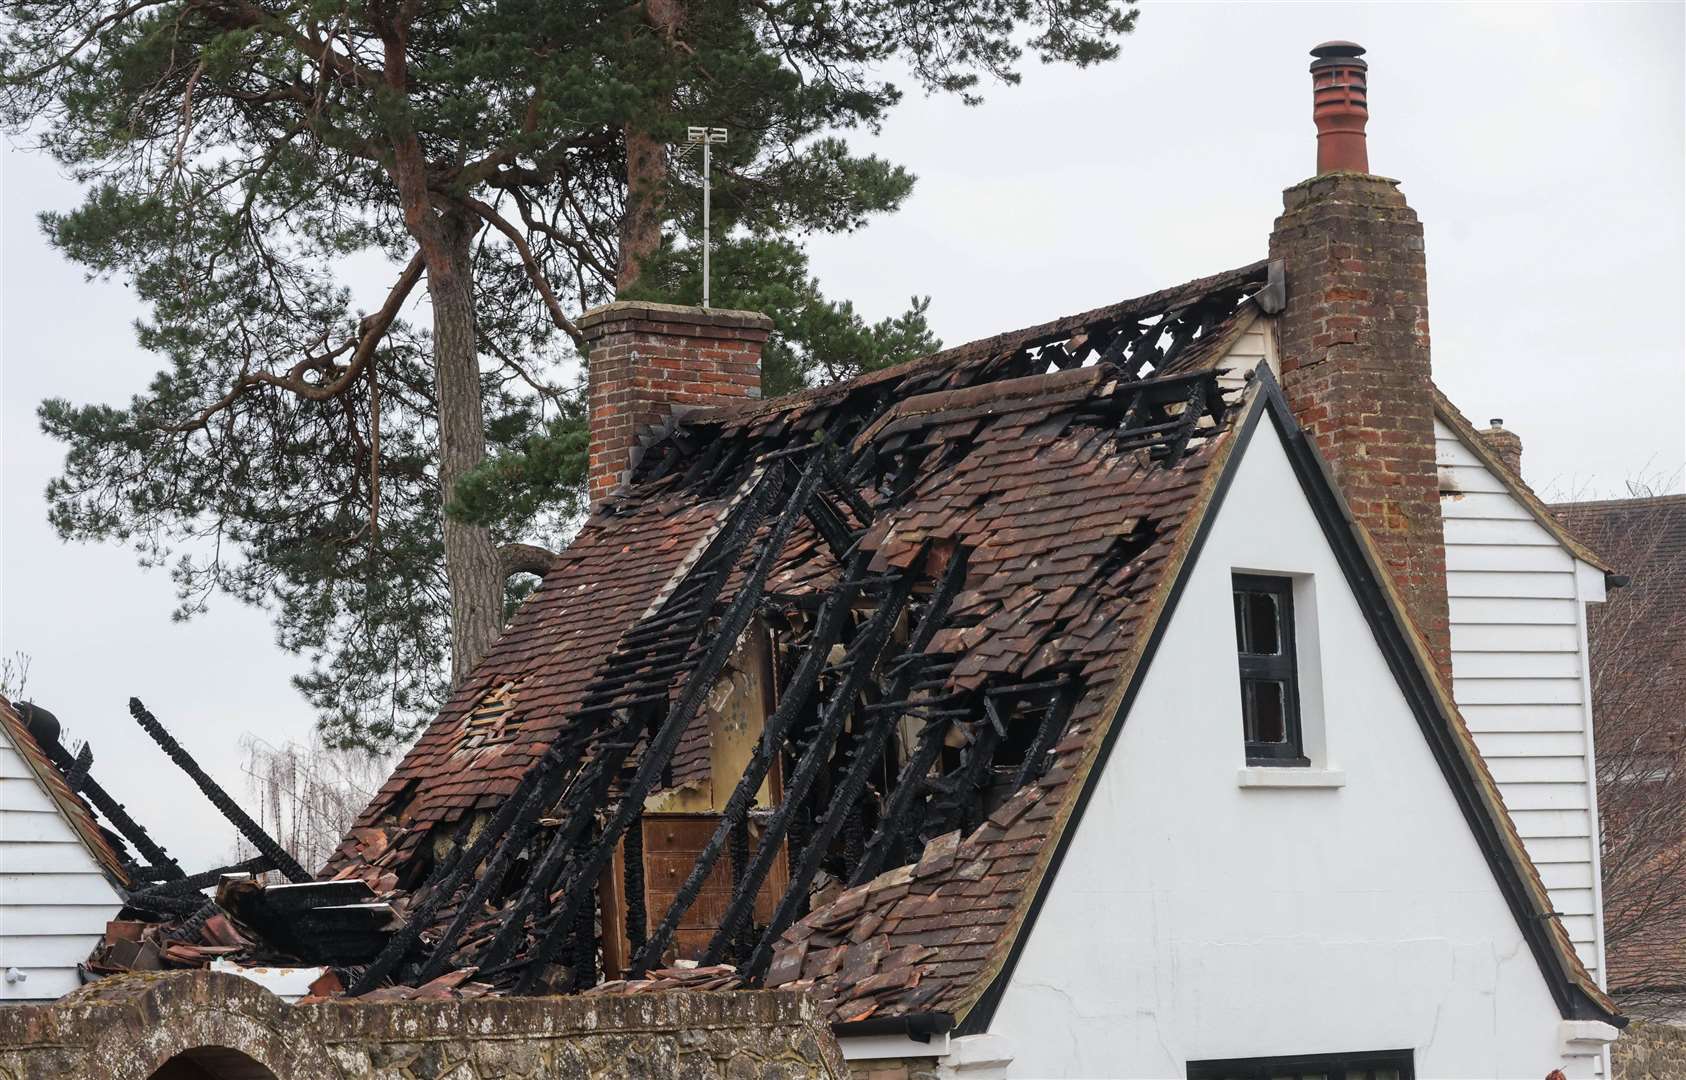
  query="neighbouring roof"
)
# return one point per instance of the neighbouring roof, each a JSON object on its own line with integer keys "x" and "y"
{"x": 1643, "y": 540}
{"x": 1064, "y": 472}
{"x": 76, "y": 812}
{"x": 1449, "y": 415}
{"x": 1637, "y": 642}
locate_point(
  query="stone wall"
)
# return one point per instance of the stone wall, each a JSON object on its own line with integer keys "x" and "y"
{"x": 1649, "y": 1051}
{"x": 894, "y": 1069}
{"x": 181, "y": 1025}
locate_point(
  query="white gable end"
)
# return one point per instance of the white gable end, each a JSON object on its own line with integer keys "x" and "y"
{"x": 1197, "y": 917}
{"x": 54, "y": 900}
{"x": 1517, "y": 600}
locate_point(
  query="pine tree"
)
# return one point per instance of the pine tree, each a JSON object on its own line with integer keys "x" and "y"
{"x": 246, "y": 159}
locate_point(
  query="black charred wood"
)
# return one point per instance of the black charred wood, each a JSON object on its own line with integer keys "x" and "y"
{"x": 864, "y": 651}
{"x": 848, "y": 790}
{"x": 698, "y": 684}
{"x": 219, "y": 798}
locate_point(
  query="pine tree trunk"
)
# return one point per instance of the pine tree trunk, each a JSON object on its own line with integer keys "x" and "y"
{"x": 472, "y": 568}
{"x": 646, "y": 167}
{"x": 641, "y": 228}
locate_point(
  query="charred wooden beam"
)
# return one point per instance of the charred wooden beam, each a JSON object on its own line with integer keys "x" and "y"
{"x": 637, "y": 932}
{"x": 1053, "y": 724}
{"x": 909, "y": 786}
{"x": 166, "y": 903}
{"x": 698, "y": 684}
{"x": 203, "y": 880}
{"x": 964, "y": 789}
{"x": 857, "y": 665}
{"x": 114, "y": 812}
{"x": 793, "y": 702}
{"x": 78, "y": 773}
{"x": 702, "y": 585}
{"x": 189, "y": 929}
{"x": 524, "y": 803}
{"x": 871, "y": 749}
{"x": 671, "y": 631}
{"x": 839, "y": 483}
{"x": 587, "y": 790}
{"x": 831, "y": 527}
{"x": 219, "y": 798}
{"x": 528, "y": 808}
{"x": 1194, "y": 406}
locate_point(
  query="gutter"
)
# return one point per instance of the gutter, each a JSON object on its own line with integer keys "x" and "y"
{"x": 916, "y": 1026}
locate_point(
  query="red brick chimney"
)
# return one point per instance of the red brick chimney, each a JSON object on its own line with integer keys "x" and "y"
{"x": 1353, "y": 341}
{"x": 649, "y": 360}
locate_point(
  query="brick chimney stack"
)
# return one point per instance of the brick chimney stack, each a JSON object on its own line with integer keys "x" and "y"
{"x": 648, "y": 361}
{"x": 1354, "y": 345}
{"x": 1505, "y": 443}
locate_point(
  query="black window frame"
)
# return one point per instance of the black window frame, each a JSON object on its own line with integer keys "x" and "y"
{"x": 1335, "y": 1066}
{"x": 1281, "y": 667}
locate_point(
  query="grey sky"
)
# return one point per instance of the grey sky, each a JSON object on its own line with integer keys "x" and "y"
{"x": 1541, "y": 145}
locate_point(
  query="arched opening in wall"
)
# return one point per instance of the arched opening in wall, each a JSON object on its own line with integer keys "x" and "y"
{"x": 211, "y": 1063}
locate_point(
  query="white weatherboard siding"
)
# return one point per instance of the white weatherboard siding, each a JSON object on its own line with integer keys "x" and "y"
{"x": 54, "y": 901}
{"x": 1518, "y": 610}
{"x": 1196, "y": 918}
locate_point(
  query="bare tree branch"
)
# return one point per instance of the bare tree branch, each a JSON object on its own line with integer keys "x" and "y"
{"x": 369, "y": 335}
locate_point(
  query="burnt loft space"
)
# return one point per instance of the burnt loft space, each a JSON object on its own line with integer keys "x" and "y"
{"x": 817, "y": 671}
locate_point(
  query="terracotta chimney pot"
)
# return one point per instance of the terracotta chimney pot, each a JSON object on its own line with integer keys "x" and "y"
{"x": 1340, "y": 107}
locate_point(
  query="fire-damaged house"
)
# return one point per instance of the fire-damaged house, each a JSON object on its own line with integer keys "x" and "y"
{"x": 1077, "y": 701}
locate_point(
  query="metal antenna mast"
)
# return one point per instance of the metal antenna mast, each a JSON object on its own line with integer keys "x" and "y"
{"x": 705, "y": 137}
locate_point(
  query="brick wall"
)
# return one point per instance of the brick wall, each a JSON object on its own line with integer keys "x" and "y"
{"x": 1354, "y": 348}
{"x": 200, "y": 1023}
{"x": 645, "y": 359}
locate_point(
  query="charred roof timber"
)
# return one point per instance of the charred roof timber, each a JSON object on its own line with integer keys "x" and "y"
{"x": 909, "y": 701}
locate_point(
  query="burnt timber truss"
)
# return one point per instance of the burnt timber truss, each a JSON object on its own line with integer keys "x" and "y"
{"x": 884, "y": 741}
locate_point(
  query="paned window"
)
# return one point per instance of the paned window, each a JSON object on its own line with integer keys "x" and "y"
{"x": 1270, "y": 693}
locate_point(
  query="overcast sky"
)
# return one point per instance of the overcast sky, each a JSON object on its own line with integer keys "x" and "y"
{"x": 1541, "y": 145}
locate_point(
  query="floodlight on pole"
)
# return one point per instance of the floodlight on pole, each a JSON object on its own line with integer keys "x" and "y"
{"x": 706, "y": 137}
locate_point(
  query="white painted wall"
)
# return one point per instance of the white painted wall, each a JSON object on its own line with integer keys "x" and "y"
{"x": 54, "y": 901}
{"x": 1517, "y": 599}
{"x": 1194, "y": 917}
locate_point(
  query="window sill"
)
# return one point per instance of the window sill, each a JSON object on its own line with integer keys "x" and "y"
{"x": 1266, "y": 776}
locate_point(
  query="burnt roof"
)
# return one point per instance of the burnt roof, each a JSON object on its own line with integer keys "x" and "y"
{"x": 1026, "y": 503}
{"x": 629, "y": 555}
